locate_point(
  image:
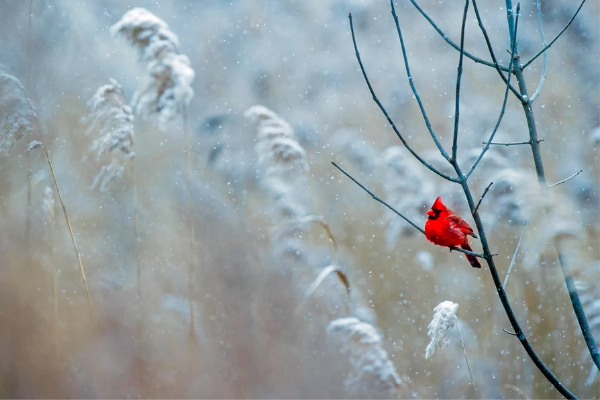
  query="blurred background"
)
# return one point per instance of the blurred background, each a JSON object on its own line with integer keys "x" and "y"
{"x": 256, "y": 255}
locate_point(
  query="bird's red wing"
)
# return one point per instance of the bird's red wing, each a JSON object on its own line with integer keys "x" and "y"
{"x": 460, "y": 223}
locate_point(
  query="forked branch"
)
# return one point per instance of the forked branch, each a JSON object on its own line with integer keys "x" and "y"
{"x": 458, "y": 80}
{"x": 385, "y": 113}
{"x": 488, "y": 42}
{"x": 502, "y": 110}
{"x": 543, "y": 75}
{"x": 413, "y": 87}
{"x": 553, "y": 40}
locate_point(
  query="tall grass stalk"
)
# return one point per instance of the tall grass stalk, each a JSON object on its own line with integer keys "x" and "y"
{"x": 467, "y": 361}
{"x": 29, "y": 170}
{"x": 36, "y": 144}
{"x": 190, "y": 218}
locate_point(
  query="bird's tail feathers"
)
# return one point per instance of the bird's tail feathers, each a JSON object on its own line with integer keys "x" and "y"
{"x": 472, "y": 259}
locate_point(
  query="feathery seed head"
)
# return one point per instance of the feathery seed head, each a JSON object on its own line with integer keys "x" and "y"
{"x": 444, "y": 319}
{"x": 107, "y": 174}
{"x": 147, "y": 32}
{"x": 165, "y": 89}
{"x": 17, "y": 115}
{"x": 372, "y": 373}
{"x": 111, "y": 119}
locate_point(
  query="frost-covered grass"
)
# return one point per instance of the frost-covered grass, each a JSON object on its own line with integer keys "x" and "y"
{"x": 257, "y": 185}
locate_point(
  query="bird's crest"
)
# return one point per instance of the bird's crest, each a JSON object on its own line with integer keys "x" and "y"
{"x": 438, "y": 205}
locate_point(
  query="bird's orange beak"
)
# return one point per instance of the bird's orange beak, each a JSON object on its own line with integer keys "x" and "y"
{"x": 431, "y": 213}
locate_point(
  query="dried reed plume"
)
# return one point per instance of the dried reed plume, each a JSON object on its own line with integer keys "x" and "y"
{"x": 17, "y": 115}
{"x": 284, "y": 175}
{"x": 164, "y": 90}
{"x": 17, "y": 118}
{"x": 444, "y": 319}
{"x": 111, "y": 121}
{"x": 372, "y": 374}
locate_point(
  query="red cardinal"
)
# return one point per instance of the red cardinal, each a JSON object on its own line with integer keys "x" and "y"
{"x": 445, "y": 228}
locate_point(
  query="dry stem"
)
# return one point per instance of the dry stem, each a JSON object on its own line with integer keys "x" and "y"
{"x": 87, "y": 290}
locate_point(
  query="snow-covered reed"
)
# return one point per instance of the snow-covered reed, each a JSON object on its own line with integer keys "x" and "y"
{"x": 111, "y": 121}
{"x": 284, "y": 175}
{"x": 164, "y": 90}
{"x": 444, "y": 319}
{"x": 372, "y": 374}
{"x": 17, "y": 115}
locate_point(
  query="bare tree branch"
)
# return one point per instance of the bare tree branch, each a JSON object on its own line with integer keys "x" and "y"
{"x": 553, "y": 40}
{"x": 378, "y": 199}
{"x": 564, "y": 180}
{"x": 514, "y": 257}
{"x": 486, "y": 250}
{"x": 412, "y": 85}
{"x": 502, "y": 110}
{"x": 543, "y": 76}
{"x": 458, "y": 80}
{"x": 512, "y": 143}
{"x": 499, "y": 68}
{"x": 462, "y": 180}
{"x": 482, "y": 196}
{"x": 451, "y": 43}
{"x": 425, "y": 163}
{"x": 539, "y": 168}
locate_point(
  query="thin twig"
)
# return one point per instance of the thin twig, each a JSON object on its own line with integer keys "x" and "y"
{"x": 190, "y": 218}
{"x": 454, "y": 45}
{"x": 514, "y": 257}
{"x": 425, "y": 163}
{"x": 502, "y": 110}
{"x": 482, "y": 196}
{"x": 578, "y": 309}
{"x": 543, "y": 75}
{"x": 378, "y": 199}
{"x": 399, "y": 214}
{"x": 488, "y": 42}
{"x": 467, "y": 360}
{"x": 509, "y": 332}
{"x": 553, "y": 40}
{"x": 458, "y": 80}
{"x": 511, "y": 23}
{"x": 511, "y": 143}
{"x": 564, "y": 180}
{"x": 412, "y": 85}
